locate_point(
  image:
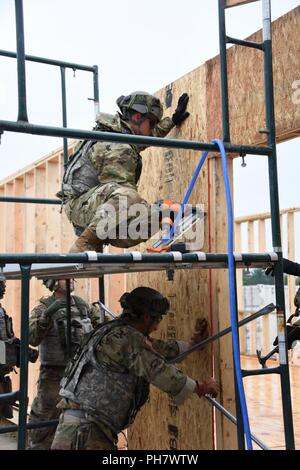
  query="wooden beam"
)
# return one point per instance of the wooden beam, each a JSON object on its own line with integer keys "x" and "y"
{"x": 250, "y": 231}
{"x": 264, "y": 215}
{"x": 235, "y": 3}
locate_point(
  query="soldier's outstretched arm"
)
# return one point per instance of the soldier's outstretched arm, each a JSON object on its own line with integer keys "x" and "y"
{"x": 39, "y": 325}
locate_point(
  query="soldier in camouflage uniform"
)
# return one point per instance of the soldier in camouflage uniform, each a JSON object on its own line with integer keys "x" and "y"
{"x": 100, "y": 182}
{"x": 47, "y": 329}
{"x": 9, "y": 353}
{"x": 108, "y": 380}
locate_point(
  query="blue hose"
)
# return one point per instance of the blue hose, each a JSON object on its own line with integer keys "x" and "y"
{"x": 186, "y": 197}
{"x": 232, "y": 296}
{"x": 231, "y": 275}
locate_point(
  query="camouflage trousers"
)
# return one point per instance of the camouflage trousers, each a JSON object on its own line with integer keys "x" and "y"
{"x": 75, "y": 433}
{"x": 44, "y": 407}
{"x": 108, "y": 205}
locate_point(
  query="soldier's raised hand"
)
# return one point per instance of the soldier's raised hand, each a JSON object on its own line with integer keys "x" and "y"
{"x": 207, "y": 387}
{"x": 201, "y": 331}
{"x": 180, "y": 112}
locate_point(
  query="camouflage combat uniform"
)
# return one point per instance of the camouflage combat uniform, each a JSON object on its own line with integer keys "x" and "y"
{"x": 49, "y": 333}
{"x": 108, "y": 382}
{"x": 9, "y": 361}
{"x": 100, "y": 173}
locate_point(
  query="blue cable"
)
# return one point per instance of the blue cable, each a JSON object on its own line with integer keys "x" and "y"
{"x": 231, "y": 274}
{"x": 232, "y": 296}
{"x": 186, "y": 197}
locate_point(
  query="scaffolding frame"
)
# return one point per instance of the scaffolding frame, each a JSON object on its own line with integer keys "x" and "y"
{"x": 174, "y": 259}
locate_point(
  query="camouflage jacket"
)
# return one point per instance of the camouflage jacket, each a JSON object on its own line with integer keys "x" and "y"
{"x": 41, "y": 324}
{"x": 95, "y": 163}
{"x": 124, "y": 351}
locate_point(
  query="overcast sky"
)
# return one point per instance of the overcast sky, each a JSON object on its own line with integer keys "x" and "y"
{"x": 138, "y": 45}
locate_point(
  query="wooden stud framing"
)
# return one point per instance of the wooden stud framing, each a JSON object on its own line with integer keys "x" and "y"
{"x": 235, "y": 3}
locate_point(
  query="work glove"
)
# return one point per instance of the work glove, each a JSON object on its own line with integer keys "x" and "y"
{"x": 58, "y": 304}
{"x": 289, "y": 267}
{"x": 180, "y": 112}
{"x": 207, "y": 387}
{"x": 201, "y": 331}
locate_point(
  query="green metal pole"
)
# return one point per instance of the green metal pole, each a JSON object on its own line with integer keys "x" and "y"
{"x": 96, "y": 90}
{"x": 223, "y": 72}
{"x": 275, "y": 221}
{"x": 25, "y": 271}
{"x": 64, "y": 112}
{"x": 69, "y": 332}
{"x": 22, "y": 112}
{"x": 26, "y": 128}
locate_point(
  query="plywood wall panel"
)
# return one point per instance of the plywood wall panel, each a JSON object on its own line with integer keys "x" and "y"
{"x": 162, "y": 425}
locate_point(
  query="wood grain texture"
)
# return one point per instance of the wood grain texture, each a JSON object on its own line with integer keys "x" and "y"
{"x": 234, "y": 3}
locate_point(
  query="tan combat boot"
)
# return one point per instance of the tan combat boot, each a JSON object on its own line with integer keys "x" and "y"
{"x": 87, "y": 241}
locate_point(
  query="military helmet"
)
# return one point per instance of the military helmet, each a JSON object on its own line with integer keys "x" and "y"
{"x": 144, "y": 300}
{"x": 141, "y": 102}
{"x": 50, "y": 283}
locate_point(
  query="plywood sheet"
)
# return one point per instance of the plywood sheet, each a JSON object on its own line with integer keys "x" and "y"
{"x": 161, "y": 424}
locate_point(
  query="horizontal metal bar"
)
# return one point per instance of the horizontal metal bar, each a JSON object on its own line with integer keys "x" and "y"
{"x": 10, "y": 397}
{"x": 232, "y": 418}
{"x": 27, "y": 128}
{"x": 40, "y": 424}
{"x": 153, "y": 258}
{"x": 35, "y": 200}
{"x": 264, "y": 311}
{"x": 272, "y": 370}
{"x": 43, "y": 60}
{"x": 242, "y": 42}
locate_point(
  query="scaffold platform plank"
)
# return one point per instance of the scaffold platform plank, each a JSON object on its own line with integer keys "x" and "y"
{"x": 98, "y": 263}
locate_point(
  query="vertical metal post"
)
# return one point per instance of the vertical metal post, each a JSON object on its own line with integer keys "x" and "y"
{"x": 64, "y": 112}
{"x": 226, "y": 138}
{"x": 275, "y": 221}
{"x": 96, "y": 90}
{"x": 25, "y": 272}
{"x": 101, "y": 289}
{"x": 223, "y": 72}
{"x": 68, "y": 298}
{"x": 22, "y": 110}
{"x": 239, "y": 416}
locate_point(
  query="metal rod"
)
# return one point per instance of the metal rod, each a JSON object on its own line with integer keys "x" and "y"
{"x": 25, "y": 286}
{"x": 22, "y": 109}
{"x": 273, "y": 370}
{"x": 10, "y": 397}
{"x": 68, "y": 310}
{"x": 40, "y": 424}
{"x": 43, "y": 60}
{"x": 101, "y": 289}
{"x": 232, "y": 418}
{"x": 264, "y": 311}
{"x": 223, "y": 72}
{"x": 96, "y": 91}
{"x": 241, "y": 42}
{"x": 64, "y": 112}
{"x": 111, "y": 258}
{"x": 275, "y": 222}
{"x": 239, "y": 414}
{"x": 27, "y": 128}
{"x": 34, "y": 200}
